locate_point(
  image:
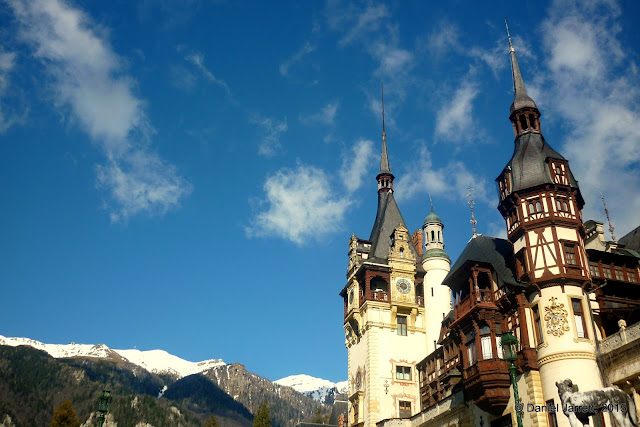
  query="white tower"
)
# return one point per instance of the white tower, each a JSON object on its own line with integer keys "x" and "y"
{"x": 436, "y": 264}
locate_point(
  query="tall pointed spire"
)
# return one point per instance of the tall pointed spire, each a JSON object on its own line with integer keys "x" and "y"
{"x": 384, "y": 158}
{"x": 521, "y": 98}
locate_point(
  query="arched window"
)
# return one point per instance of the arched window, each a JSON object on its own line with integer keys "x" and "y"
{"x": 532, "y": 208}
{"x": 523, "y": 122}
{"x": 439, "y": 237}
{"x": 401, "y": 252}
{"x": 538, "y": 206}
{"x": 433, "y": 236}
{"x": 532, "y": 121}
{"x": 471, "y": 348}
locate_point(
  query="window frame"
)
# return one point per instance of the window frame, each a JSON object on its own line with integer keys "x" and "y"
{"x": 402, "y": 372}
{"x": 401, "y": 324}
{"x": 570, "y": 254}
{"x": 404, "y": 412}
{"x": 579, "y": 314}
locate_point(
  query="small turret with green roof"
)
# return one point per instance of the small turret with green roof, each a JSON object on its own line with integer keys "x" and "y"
{"x": 433, "y": 238}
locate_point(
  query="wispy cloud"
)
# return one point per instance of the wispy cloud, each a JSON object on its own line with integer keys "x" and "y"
{"x": 455, "y": 115}
{"x": 592, "y": 84}
{"x": 355, "y": 164}
{"x": 326, "y": 115}
{"x": 449, "y": 181}
{"x": 197, "y": 59}
{"x": 295, "y": 58}
{"x": 8, "y": 115}
{"x": 270, "y": 144}
{"x": 302, "y": 205}
{"x": 370, "y": 26}
{"x": 354, "y": 22}
{"x": 87, "y": 78}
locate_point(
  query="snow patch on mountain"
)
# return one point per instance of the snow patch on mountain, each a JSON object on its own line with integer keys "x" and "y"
{"x": 323, "y": 391}
{"x": 155, "y": 361}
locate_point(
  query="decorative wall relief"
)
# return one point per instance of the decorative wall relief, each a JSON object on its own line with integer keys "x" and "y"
{"x": 556, "y": 318}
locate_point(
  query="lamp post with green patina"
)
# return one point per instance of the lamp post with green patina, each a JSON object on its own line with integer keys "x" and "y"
{"x": 509, "y": 345}
{"x": 103, "y": 405}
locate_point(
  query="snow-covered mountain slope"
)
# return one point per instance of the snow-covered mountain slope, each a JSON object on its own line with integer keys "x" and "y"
{"x": 323, "y": 391}
{"x": 156, "y": 361}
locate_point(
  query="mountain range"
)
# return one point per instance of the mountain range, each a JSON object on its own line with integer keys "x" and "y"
{"x": 194, "y": 389}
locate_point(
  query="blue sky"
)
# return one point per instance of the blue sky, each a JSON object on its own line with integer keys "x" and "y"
{"x": 185, "y": 175}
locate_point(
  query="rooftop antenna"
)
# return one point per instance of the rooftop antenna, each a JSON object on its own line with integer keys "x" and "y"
{"x": 606, "y": 212}
{"x": 471, "y": 203}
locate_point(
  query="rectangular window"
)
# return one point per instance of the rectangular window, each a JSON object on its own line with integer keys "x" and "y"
{"x": 618, "y": 270}
{"x": 537, "y": 324}
{"x": 499, "y": 347}
{"x": 471, "y": 352}
{"x": 402, "y": 325}
{"x": 606, "y": 269}
{"x": 570, "y": 253}
{"x": 405, "y": 409}
{"x": 551, "y": 413}
{"x": 578, "y": 316}
{"x": 633, "y": 275}
{"x": 403, "y": 373}
{"x": 487, "y": 352}
{"x": 593, "y": 268}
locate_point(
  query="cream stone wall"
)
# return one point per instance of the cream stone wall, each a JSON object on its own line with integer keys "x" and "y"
{"x": 437, "y": 304}
{"x": 563, "y": 354}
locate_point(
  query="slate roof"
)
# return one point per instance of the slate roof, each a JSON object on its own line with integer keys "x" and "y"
{"x": 631, "y": 240}
{"x": 484, "y": 249}
{"x": 528, "y": 164}
{"x": 384, "y": 158}
{"x": 521, "y": 99}
{"x": 388, "y": 218}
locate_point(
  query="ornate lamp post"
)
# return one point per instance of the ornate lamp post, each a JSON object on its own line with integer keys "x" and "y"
{"x": 103, "y": 405}
{"x": 509, "y": 345}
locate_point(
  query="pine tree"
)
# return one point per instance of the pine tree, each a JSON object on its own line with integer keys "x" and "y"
{"x": 262, "y": 418}
{"x": 211, "y": 422}
{"x": 65, "y": 416}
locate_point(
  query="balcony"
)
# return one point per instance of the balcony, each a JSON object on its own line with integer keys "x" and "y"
{"x": 487, "y": 382}
{"x": 479, "y": 297}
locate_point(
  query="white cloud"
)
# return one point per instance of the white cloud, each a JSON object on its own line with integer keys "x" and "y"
{"x": 355, "y": 164}
{"x": 443, "y": 39}
{"x": 87, "y": 77}
{"x": 592, "y": 85}
{"x": 295, "y": 58}
{"x": 270, "y": 144}
{"x": 302, "y": 206}
{"x": 450, "y": 181}
{"x": 325, "y": 116}
{"x": 455, "y": 116}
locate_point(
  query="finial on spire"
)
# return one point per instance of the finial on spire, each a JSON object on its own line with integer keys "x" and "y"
{"x": 430, "y": 202}
{"x": 384, "y": 159}
{"x": 383, "y": 132}
{"x": 471, "y": 203}
{"x": 511, "y": 49}
{"x": 606, "y": 212}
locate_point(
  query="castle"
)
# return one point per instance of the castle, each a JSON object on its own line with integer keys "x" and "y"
{"x": 424, "y": 337}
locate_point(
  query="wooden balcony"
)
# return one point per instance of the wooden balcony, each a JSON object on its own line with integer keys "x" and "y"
{"x": 483, "y": 297}
{"x": 487, "y": 382}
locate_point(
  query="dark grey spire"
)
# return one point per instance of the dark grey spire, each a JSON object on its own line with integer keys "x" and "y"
{"x": 384, "y": 158}
{"x": 521, "y": 98}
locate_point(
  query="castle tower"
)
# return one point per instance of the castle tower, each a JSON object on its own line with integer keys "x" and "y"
{"x": 541, "y": 203}
{"x": 436, "y": 264}
{"x": 384, "y": 314}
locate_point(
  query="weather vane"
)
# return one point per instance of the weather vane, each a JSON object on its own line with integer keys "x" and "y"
{"x": 471, "y": 203}
{"x": 606, "y": 212}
